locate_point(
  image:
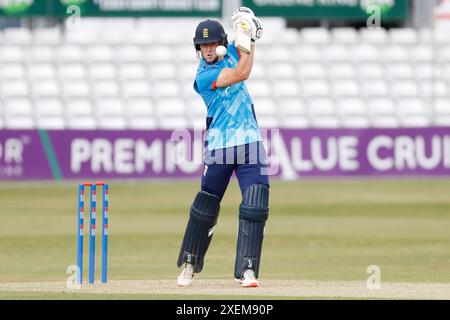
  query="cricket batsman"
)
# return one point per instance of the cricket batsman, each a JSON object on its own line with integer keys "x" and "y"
{"x": 232, "y": 144}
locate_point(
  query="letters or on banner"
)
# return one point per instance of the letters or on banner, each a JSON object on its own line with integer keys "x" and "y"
{"x": 319, "y": 9}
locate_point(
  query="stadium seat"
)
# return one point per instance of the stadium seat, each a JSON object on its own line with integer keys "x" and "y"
{"x": 373, "y": 36}
{"x": 17, "y": 36}
{"x": 276, "y": 54}
{"x": 70, "y": 54}
{"x": 422, "y": 53}
{"x": 72, "y": 71}
{"x": 400, "y": 71}
{"x": 324, "y": 122}
{"x": 141, "y": 37}
{"x": 312, "y": 71}
{"x": 366, "y": 53}
{"x": 132, "y": 71}
{"x": 381, "y": 107}
{"x": 108, "y": 88}
{"x": 385, "y": 122}
{"x": 394, "y": 53}
{"x": 342, "y": 71}
{"x": 355, "y": 122}
{"x": 375, "y": 88}
{"x": 344, "y": 88}
{"x": 19, "y": 122}
{"x": 297, "y": 122}
{"x": 291, "y": 107}
{"x": 289, "y": 36}
{"x": 41, "y": 71}
{"x": 100, "y": 54}
{"x": 165, "y": 71}
{"x": 140, "y": 113}
{"x": 187, "y": 89}
{"x": 50, "y": 114}
{"x": 370, "y": 71}
{"x": 12, "y": 71}
{"x": 51, "y": 123}
{"x": 18, "y": 107}
{"x": 80, "y": 37}
{"x": 413, "y": 113}
{"x": 285, "y": 88}
{"x": 425, "y": 36}
{"x": 307, "y": 53}
{"x": 336, "y": 53}
{"x": 434, "y": 88}
{"x": 321, "y": 107}
{"x": 14, "y": 88}
{"x": 259, "y": 71}
{"x": 11, "y": 54}
{"x": 345, "y": 36}
{"x": 166, "y": 88}
{"x": 44, "y": 54}
{"x": 159, "y": 54}
{"x": 109, "y": 107}
{"x": 197, "y": 124}
{"x": 187, "y": 71}
{"x": 443, "y": 55}
{"x": 403, "y": 36}
{"x": 265, "y": 108}
{"x": 142, "y": 123}
{"x": 18, "y": 114}
{"x": 173, "y": 123}
{"x": 425, "y": 71}
{"x": 404, "y": 88}
{"x": 282, "y": 70}
{"x": 47, "y": 36}
{"x": 136, "y": 89}
{"x": 186, "y": 54}
{"x": 113, "y": 37}
{"x": 172, "y": 107}
{"x": 76, "y": 89}
{"x": 196, "y": 107}
{"x": 441, "y": 107}
{"x": 317, "y": 36}
{"x": 129, "y": 53}
{"x": 268, "y": 122}
{"x": 45, "y": 88}
{"x": 442, "y": 121}
{"x": 79, "y": 108}
{"x": 102, "y": 71}
{"x": 82, "y": 123}
{"x": 49, "y": 107}
{"x": 351, "y": 107}
{"x": 316, "y": 88}
{"x": 259, "y": 88}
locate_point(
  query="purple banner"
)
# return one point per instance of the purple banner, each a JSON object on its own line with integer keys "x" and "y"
{"x": 46, "y": 155}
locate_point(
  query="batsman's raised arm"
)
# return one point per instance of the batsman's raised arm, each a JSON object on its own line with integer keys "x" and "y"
{"x": 229, "y": 76}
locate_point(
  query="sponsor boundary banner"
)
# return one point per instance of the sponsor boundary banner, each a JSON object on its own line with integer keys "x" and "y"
{"x": 320, "y": 9}
{"x": 165, "y": 154}
{"x": 112, "y": 8}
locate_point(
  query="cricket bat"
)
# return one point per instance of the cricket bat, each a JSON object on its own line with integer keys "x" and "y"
{"x": 243, "y": 40}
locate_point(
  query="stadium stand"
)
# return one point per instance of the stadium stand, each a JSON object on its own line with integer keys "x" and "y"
{"x": 131, "y": 74}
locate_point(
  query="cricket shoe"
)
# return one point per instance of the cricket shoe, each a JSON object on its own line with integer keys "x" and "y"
{"x": 186, "y": 277}
{"x": 248, "y": 279}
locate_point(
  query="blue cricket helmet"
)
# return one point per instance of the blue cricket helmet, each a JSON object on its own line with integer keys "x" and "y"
{"x": 210, "y": 31}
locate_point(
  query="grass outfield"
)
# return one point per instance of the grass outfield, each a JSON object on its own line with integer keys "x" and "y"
{"x": 317, "y": 230}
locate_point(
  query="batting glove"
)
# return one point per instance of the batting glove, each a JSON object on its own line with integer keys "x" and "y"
{"x": 241, "y": 12}
{"x": 257, "y": 29}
